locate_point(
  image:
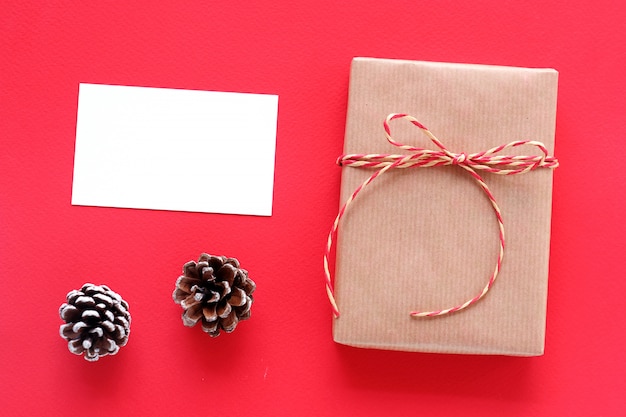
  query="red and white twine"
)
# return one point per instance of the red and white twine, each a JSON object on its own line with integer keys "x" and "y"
{"x": 486, "y": 161}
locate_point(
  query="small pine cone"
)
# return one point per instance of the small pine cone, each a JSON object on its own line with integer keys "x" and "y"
{"x": 215, "y": 291}
{"x": 98, "y": 321}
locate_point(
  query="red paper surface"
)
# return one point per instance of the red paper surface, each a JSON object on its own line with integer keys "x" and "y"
{"x": 283, "y": 361}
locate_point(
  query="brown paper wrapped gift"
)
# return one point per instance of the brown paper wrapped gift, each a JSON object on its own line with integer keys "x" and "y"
{"x": 427, "y": 238}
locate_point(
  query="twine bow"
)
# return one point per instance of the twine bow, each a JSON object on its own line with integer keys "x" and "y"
{"x": 487, "y": 161}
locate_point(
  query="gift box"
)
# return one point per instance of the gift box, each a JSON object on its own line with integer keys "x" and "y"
{"x": 429, "y": 238}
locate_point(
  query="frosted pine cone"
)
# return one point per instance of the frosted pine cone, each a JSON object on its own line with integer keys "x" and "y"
{"x": 98, "y": 321}
{"x": 216, "y": 292}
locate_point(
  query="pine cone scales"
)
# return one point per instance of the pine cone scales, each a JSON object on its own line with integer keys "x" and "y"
{"x": 216, "y": 292}
{"x": 97, "y": 321}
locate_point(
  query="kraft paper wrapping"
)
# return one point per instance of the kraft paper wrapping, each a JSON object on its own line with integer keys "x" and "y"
{"x": 427, "y": 238}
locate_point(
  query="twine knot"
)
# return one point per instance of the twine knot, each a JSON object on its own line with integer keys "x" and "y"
{"x": 459, "y": 158}
{"x": 488, "y": 161}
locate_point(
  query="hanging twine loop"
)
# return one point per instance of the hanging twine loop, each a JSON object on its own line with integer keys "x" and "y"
{"x": 486, "y": 161}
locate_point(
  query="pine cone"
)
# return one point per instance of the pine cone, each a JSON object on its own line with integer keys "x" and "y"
{"x": 98, "y": 321}
{"x": 215, "y": 291}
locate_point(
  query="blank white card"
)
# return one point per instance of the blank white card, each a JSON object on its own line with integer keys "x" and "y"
{"x": 168, "y": 149}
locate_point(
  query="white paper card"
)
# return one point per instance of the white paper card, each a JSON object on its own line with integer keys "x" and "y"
{"x": 168, "y": 149}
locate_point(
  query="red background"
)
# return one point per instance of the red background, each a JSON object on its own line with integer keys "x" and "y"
{"x": 283, "y": 361}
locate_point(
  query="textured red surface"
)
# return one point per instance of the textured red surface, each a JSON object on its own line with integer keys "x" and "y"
{"x": 283, "y": 361}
